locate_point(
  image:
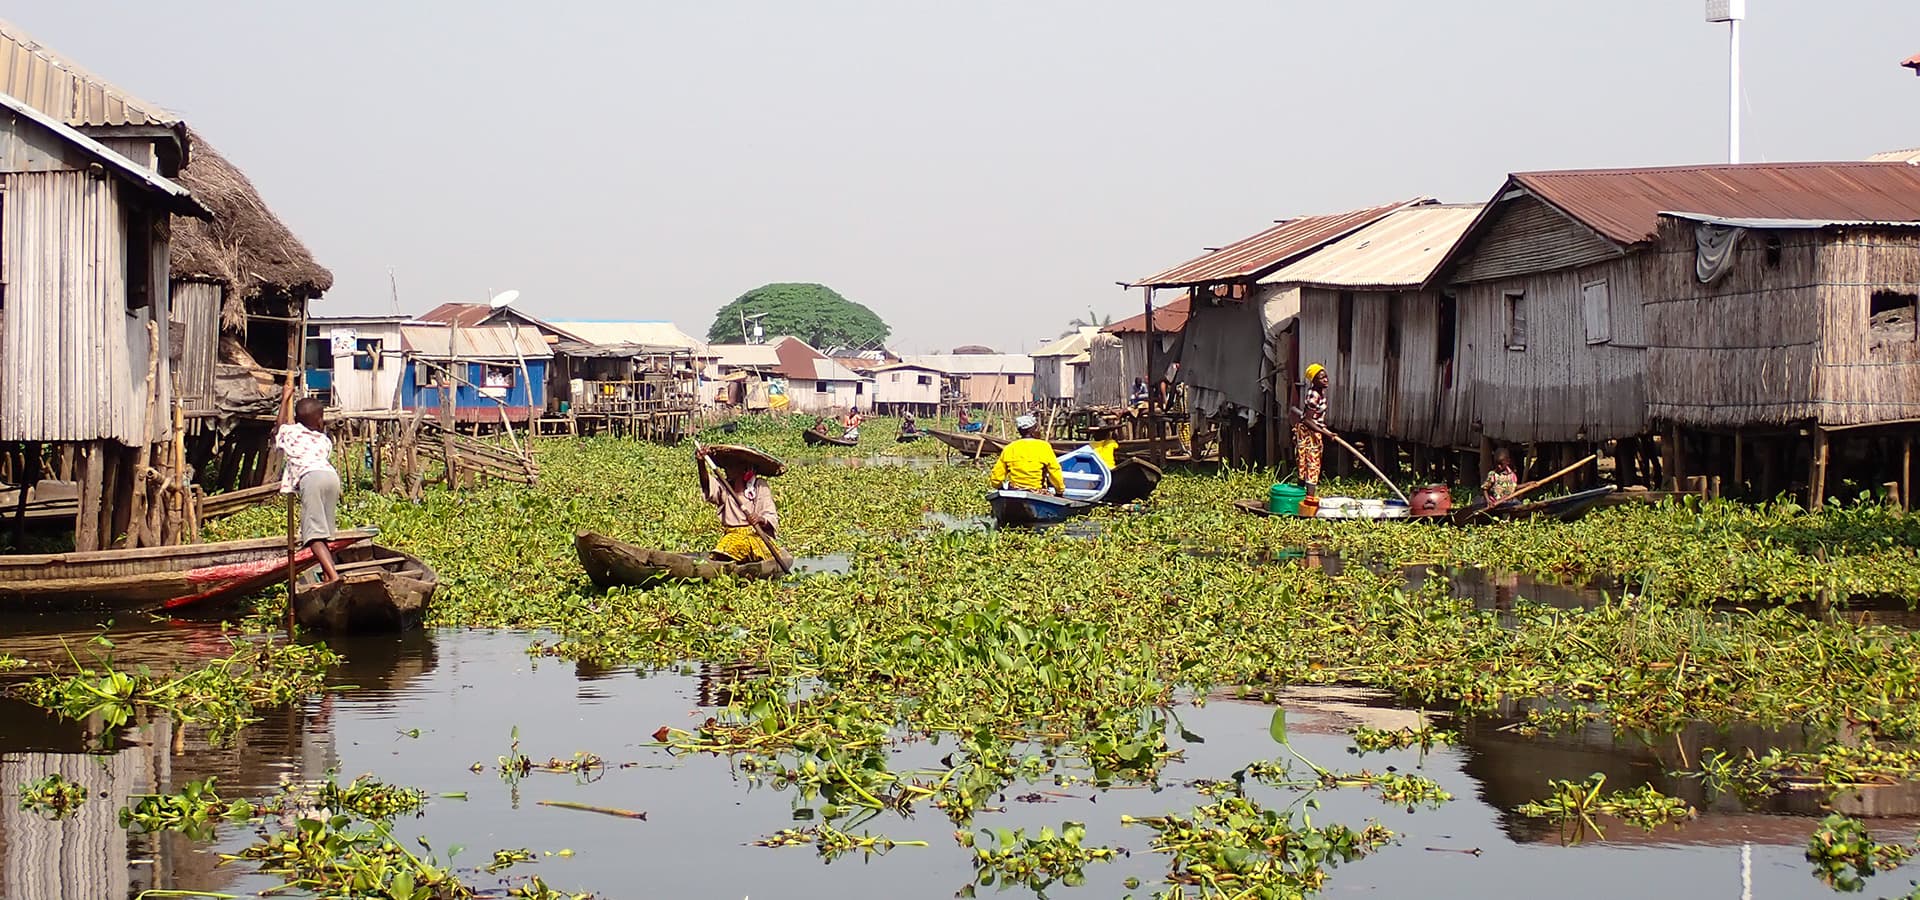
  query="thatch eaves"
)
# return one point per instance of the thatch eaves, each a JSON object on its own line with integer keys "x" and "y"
{"x": 246, "y": 247}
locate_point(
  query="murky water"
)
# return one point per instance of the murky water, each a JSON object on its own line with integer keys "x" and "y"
{"x": 465, "y": 692}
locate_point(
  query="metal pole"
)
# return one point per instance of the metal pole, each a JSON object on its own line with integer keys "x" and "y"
{"x": 1733, "y": 91}
{"x": 1147, "y": 294}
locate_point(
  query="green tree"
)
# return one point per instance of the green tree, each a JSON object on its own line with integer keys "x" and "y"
{"x": 813, "y": 313}
{"x": 1093, "y": 320}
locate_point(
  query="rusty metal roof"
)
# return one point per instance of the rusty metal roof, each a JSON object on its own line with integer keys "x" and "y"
{"x": 1623, "y": 205}
{"x": 56, "y": 86}
{"x": 1399, "y": 251}
{"x": 178, "y": 199}
{"x": 1257, "y": 255}
{"x": 1166, "y": 319}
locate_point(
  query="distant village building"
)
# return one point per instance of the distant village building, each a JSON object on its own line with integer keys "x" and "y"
{"x": 783, "y": 374}
{"x": 1053, "y": 375}
{"x": 1118, "y": 354}
{"x": 354, "y": 363}
{"x": 495, "y": 373}
{"x": 983, "y": 380}
{"x": 907, "y": 387}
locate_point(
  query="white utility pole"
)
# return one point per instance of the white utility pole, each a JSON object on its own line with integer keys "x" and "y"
{"x": 1731, "y": 12}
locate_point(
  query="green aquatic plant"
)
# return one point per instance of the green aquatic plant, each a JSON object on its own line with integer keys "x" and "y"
{"x": 1236, "y": 847}
{"x": 832, "y": 843}
{"x": 53, "y": 796}
{"x": 221, "y": 694}
{"x": 1576, "y": 805}
{"x": 194, "y": 811}
{"x": 1011, "y": 856}
{"x": 1844, "y": 853}
{"x": 1374, "y": 740}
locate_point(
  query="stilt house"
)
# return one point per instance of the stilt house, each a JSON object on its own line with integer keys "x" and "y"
{"x": 1118, "y": 354}
{"x": 1387, "y": 342}
{"x": 1052, "y": 372}
{"x": 495, "y": 374}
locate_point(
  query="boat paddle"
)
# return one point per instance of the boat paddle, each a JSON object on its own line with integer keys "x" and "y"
{"x": 1371, "y": 467}
{"x": 781, "y": 557}
{"x": 1530, "y": 487}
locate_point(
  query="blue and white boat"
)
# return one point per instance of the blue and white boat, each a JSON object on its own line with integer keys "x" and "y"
{"x": 1087, "y": 478}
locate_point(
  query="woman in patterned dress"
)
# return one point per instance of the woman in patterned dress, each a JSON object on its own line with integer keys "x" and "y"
{"x": 1310, "y": 429}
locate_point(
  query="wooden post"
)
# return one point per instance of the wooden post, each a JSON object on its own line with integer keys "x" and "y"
{"x": 1152, "y": 383}
{"x": 137, "y": 514}
{"x": 1817, "y": 476}
{"x": 1891, "y": 494}
{"x": 448, "y": 386}
{"x": 1906, "y": 473}
{"x": 1739, "y": 463}
{"x": 86, "y": 522}
{"x": 26, "y": 478}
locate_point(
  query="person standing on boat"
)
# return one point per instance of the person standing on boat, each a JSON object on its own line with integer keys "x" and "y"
{"x": 745, "y": 504}
{"x": 1028, "y": 464}
{"x": 850, "y": 422}
{"x": 1310, "y": 429}
{"x": 309, "y": 473}
{"x": 1502, "y": 481}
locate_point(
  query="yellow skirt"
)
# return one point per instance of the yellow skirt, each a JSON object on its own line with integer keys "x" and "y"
{"x": 743, "y": 545}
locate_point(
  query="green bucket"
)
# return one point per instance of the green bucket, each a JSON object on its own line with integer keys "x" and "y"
{"x": 1284, "y": 499}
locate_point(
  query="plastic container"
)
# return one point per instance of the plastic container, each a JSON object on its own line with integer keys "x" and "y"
{"x": 1284, "y": 499}
{"x": 1310, "y": 507}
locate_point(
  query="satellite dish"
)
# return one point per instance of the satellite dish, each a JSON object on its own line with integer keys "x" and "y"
{"x": 503, "y": 299}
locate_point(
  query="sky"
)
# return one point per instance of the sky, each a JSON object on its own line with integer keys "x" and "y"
{"x": 977, "y": 172}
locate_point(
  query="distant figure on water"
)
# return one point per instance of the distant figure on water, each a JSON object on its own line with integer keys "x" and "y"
{"x": 1028, "y": 464}
{"x": 744, "y": 501}
{"x": 309, "y": 473}
{"x": 851, "y": 423}
{"x": 1310, "y": 429}
{"x": 907, "y": 426}
{"x": 819, "y": 425}
{"x": 967, "y": 424}
{"x": 1502, "y": 481}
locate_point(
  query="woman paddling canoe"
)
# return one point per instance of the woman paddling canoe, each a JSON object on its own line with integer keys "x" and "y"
{"x": 745, "y": 504}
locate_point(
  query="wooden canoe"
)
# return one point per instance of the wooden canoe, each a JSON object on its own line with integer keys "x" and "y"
{"x": 1258, "y": 508}
{"x": 1133, "y": 480}
{"x": 380, "y": 590}
{"x": 814, "y": 437}
{"x": 609, "y": 563}
{"x": 1033, "y": 508}
{"x": 178, "y": 578}
{"x": 978, "y": 444}
{"x": 1563, "y": 509}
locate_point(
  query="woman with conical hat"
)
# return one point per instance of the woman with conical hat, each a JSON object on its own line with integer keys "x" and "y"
{"x": 1310, "y": 429}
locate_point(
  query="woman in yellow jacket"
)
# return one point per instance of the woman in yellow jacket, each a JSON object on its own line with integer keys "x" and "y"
{"x": 1029, "y": 464}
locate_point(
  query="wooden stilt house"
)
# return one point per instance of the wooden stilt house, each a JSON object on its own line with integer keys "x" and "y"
{"x": 1236, "y": 330}
{"x": 85, "y": 381}
{"x": 1556, "y": 282}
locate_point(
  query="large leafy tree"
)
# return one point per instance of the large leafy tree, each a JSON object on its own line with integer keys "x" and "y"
{"x": 813, "y": 313}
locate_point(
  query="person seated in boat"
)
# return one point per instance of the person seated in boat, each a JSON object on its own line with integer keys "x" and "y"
{"x": 851, "y": 423}
{"x": 1502, "y": 481}
{"x": 819, "y": 425}
{"x": 1100, "y": 438}
{"x": 1029, "y": 463}
{"x": 967, "y": 424}
{"x": 745, "y": 504}
{"x": 309, "y": 473}
{"x": 908, "y": 427}
{"x": 1310, "y": 429}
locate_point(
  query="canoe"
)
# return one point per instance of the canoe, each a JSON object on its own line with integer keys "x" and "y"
{"x": 177, "y": 578}
{"x": 1033, "y": 508}
{"x": 609, "y": 563}
{"x": 380, "y": 590}
{"x": 1258, "y": 508}
{"x": 1086, "y": 475}
{"x": 908, "y": 438}
{"x": 978, "y": 443}
{"x": 1133, "y": 480}
{"x": 814, "y": 437}
{"x": 1562, "y": 509}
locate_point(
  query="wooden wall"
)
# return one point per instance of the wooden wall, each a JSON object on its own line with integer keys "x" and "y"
{"x": 1390, "y": 381}
{"x": 1740, "y": 351}
{"x": 1560, "y": 388}
{"x": 1527, "y": 235}
{"x": 73, "y": 358}
{"x": 1867, "y": 374}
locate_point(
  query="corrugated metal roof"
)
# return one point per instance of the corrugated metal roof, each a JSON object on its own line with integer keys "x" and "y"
{"x": 1910, "y": 155}
{"x": 1399, "y": 251}
{"x": 1257, "y": 255}
{"x": 1070, "y": 345}
{"x": 975, "y": 363}
{"x": 465, "y": 315}
{"x": 745, "y": 356}
{"x": 1623, "y": 205}
{"x": 179, "y": 199}
{"x": 53, "y": 84}
{"x": 652, "y": 334}
{"x": 1788, "y": 224}
{"x": 483, "y": 342}
{"x": 1166, "y": 319}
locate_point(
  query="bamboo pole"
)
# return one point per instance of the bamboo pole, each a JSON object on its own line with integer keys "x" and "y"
{"x": 137, "y": 521}
{"x": 1369, "y": 464}
{"x": 1817, "y": 478}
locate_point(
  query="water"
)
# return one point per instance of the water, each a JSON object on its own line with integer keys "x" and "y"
{"x": 465, "y": 691}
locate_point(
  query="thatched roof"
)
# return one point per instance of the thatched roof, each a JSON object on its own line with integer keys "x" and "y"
{"x": 246, "y": 246}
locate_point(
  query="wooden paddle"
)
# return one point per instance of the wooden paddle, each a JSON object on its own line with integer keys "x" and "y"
{"x": 1371, "y": 467}
{"x": 1532, "y": 486}
{"x": 781, "y": 557}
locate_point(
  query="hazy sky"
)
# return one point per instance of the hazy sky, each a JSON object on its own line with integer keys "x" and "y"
{"x": 976, "y": 172}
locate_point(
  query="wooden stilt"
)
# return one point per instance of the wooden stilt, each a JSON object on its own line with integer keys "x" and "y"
{"x": 86, "y": 522}
{"x": 1906, "y": 473}
{"x": 1817, "y": 474}
{"x": 1739, "y": 463}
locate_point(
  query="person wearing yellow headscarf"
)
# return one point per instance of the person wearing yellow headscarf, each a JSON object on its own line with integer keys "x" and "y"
{"x": 1310, "y": 429}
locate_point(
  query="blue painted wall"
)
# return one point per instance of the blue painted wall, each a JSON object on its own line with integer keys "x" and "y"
{"x": 413, "y": 396}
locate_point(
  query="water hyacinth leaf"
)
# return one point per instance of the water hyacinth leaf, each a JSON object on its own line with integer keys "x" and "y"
{"x": 1277, "y": 727}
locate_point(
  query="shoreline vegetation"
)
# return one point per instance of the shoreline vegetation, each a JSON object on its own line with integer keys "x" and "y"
{"x": 1045, "y": 652}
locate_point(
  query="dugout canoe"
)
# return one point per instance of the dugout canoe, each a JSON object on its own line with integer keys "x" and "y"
{"x": 1561, "y": 509}
{"x": 181, "y": 579}
{"x": 380, "y": 590}
{"x": 812, "y": 437}
{"x": 1133, "y": 480}
{"x": 1012, "y": 507}
{"x": 609, "y": 563}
